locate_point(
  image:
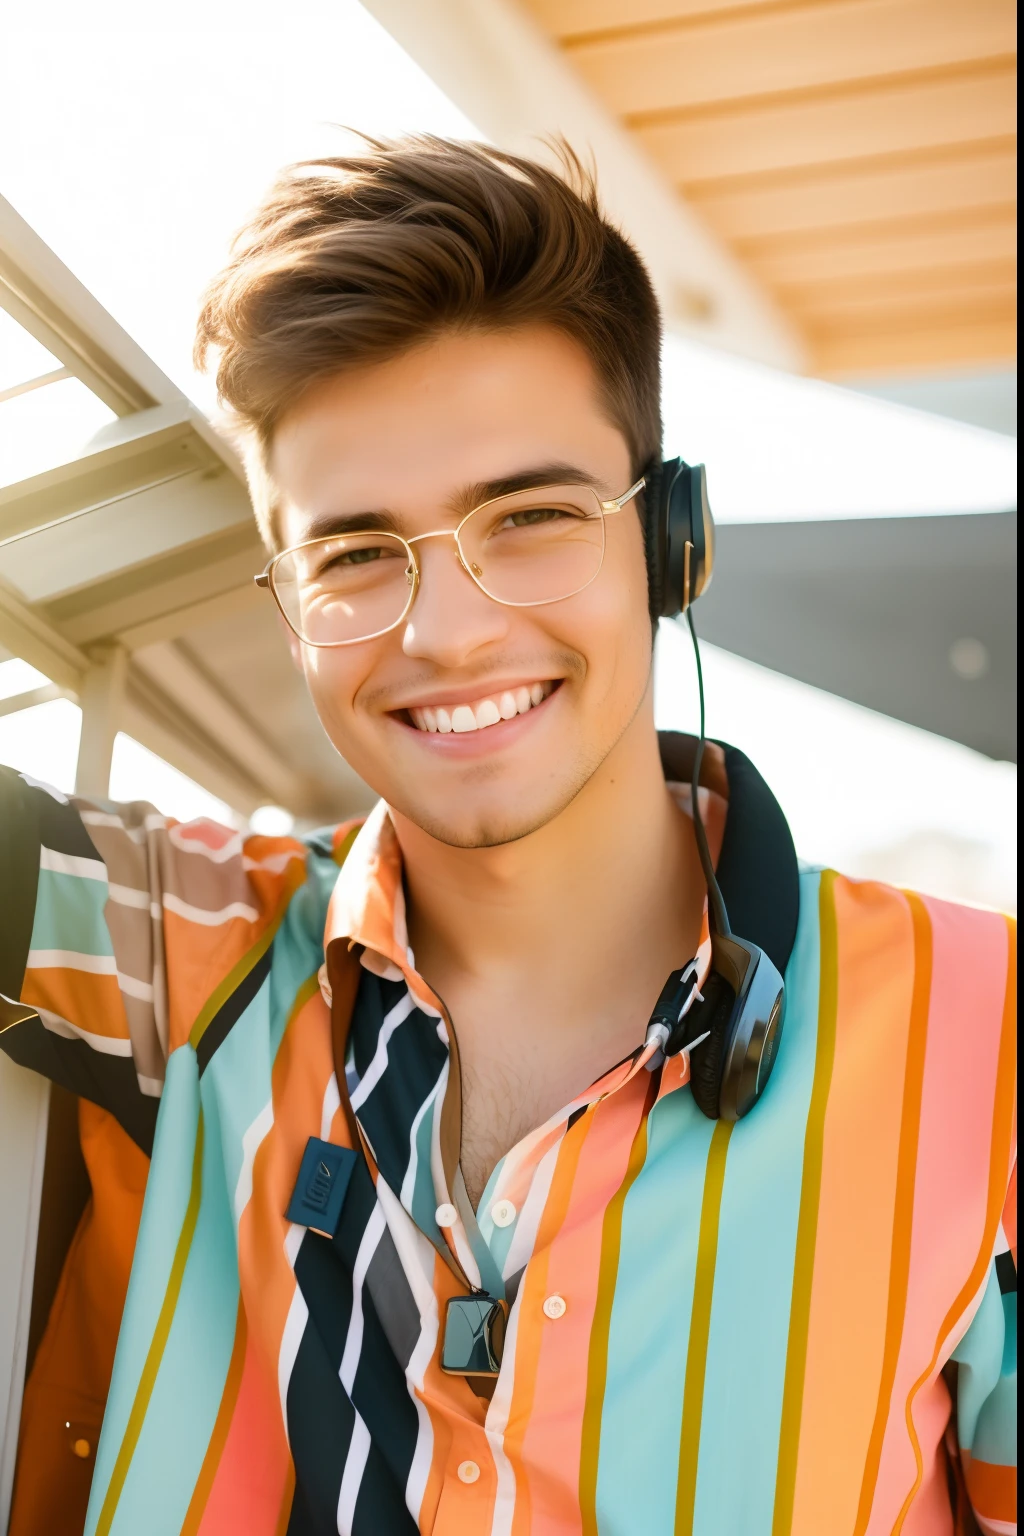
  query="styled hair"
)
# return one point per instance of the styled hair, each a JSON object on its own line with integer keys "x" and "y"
{"x": 353, "y": 260}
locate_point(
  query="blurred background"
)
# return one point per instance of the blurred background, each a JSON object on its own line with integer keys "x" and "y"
{"x": 825, "y": 194}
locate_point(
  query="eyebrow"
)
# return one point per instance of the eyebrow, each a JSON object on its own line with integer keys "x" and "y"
{"x": 382, "y": 520}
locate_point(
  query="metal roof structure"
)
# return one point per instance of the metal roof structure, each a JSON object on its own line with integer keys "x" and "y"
{"x": 126, "y": 570}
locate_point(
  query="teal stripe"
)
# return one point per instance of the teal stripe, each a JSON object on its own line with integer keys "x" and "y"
{"x": 643, "y": 1400}
{"x": 190, "y": 1382}
{"x": 163, "y": 1212}
{"x": 746, "y": 1359}
{"x": 69, "y": 914}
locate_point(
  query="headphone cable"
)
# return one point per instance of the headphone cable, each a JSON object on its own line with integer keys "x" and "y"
{"x": 719, "y": 917}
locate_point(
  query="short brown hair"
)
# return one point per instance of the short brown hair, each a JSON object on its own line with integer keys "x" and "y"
{"x": 352, "y": 260}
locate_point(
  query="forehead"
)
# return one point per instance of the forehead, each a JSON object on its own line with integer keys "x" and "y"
{"x": 410, "y": 433}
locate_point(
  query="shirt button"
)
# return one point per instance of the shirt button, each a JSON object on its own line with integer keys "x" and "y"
{"x": 503, "y": 1213}
{"x": 554, "y": 1306}
{"x": 446, "y": 1215}
{"x": 468, "y": 1471}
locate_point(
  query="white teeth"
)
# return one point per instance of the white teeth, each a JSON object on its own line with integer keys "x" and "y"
{"x": 476, "y": 717}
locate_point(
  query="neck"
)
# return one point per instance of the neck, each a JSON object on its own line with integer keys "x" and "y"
{"x": 609, "y": 888}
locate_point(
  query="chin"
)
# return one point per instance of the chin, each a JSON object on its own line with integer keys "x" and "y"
{"x": 487, "y": 825}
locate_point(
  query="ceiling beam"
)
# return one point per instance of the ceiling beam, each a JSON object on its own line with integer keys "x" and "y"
{"x": 494, "y": 62}
{"x": 25, "y": 633}
{"x": 183, "y": 680}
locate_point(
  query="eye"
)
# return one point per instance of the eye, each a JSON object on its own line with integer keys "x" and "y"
{"x": 346, "y": 559}
{"x": 529, "y": 517}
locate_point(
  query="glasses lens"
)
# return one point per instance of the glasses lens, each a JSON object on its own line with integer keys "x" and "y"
{"x": 343, "y": 589}
{"x": 536, "y": 547}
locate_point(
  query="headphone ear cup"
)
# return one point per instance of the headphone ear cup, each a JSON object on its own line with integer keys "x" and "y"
{"x": 654, "y": 537}
{"x": 714, "y": 1014}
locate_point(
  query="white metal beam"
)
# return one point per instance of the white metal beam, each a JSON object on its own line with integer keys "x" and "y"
{"x": 495, "y": 63}
{"x": 45, "y": 694}
{"x": 27, "y": 634}
{"x": 102, "y": 699}
{"x": 199, "y": 697}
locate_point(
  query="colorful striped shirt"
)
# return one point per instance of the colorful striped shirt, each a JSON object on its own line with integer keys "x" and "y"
{"x": 804, "y": 1322}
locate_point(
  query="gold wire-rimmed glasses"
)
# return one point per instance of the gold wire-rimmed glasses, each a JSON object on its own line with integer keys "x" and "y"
{"x": 522, "y": 550}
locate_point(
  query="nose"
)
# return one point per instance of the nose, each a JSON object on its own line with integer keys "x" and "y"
{"x": 451, "y": 618}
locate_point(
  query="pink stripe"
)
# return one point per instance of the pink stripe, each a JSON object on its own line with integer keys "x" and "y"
{"x": 551, "y": 1444}
{"x": 968, "y": 987}
{"x": 254, "y": 1467}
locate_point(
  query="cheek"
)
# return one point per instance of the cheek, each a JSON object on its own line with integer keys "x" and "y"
{"x": 333, "y": 678}
{"x": 608, "y": 623}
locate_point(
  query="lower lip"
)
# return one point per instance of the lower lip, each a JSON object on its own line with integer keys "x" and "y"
{"x": 475, "y": 743}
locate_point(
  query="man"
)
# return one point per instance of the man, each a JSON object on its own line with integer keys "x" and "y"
{"x": 506, "y": 1269}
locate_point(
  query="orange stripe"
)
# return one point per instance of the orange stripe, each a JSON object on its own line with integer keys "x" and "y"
{"x": 903, "y": 1212}
{"x": 807, "y": 1220}
{"x": 1001, "y": 1145}
{"x": 534, "y": 1290}
{"x": 90, "y": 999}
{"x": 222, "y": 1424}
{"x": 993, "y": 1488}
{"x": 597, "y": 1362}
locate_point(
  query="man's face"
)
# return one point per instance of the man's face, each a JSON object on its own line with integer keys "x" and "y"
{"x": 417, "y": 437}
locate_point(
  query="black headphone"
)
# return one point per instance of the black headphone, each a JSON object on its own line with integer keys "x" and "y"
{"x": 732, "y": 1029}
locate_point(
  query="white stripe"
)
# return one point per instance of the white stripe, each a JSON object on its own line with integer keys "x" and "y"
{"x": 228, "y": 850}
{"x": 251, "y": 1139}
{"x": 127, "y": 896}
{"x": 54, "y": 794}
{"x": 352, "y": 1477}
{"x": 131, "y": 987}
{"x": 154, "y": 822}
{"x": 329, "y": 1108}
{"x": 102, "y": 1043}
{"x": 275, "y": 863}
{"x": 409, "y": 1181}
{"x": 152, "y": 1087}
{"x": 996, "y": 1527}
{"x": 209, "y": 919}
{"x": 520, "y": 1249}
{"x": 375, "y": 1071}
{"x": 293, "y": 1242}
{"x": 495, "y": 1424}
{"x": 72, "y": 864}
{"x": 295, "y": 1326}
{"x": 417, "y": 1256}
{"x": 70, "y": 960}
{"x": 359, "y": 1445}
{"x": 354, "y": 1338}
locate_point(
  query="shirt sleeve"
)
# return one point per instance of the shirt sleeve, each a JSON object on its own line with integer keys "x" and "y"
{"x": 120, "y": 930}
{"x": 986, "y": 1389}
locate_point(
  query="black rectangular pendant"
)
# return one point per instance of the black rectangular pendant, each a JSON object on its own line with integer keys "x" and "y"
{"x": 319, "y": 1192}
{"x": 474, "y": 1336}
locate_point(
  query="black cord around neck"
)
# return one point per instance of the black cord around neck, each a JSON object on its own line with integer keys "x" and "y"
{"x": 716, "y": 905}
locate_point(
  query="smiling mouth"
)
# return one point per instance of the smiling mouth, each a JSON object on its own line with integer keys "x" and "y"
{"x": 492, "y": 709}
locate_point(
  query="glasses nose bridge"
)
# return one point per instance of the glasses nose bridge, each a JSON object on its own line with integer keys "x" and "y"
{"x": 441, "y": 533}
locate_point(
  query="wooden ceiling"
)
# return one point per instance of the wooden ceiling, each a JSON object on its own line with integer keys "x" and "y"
{"x": 859, "y": 156}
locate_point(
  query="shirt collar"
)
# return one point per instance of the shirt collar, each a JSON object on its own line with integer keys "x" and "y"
{"x": 367, "y": 907}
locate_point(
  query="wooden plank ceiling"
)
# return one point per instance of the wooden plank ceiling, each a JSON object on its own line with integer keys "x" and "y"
{"x": 859, "y": 156}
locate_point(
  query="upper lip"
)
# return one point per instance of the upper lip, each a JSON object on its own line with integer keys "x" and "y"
{"x": 471, "y": 693}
